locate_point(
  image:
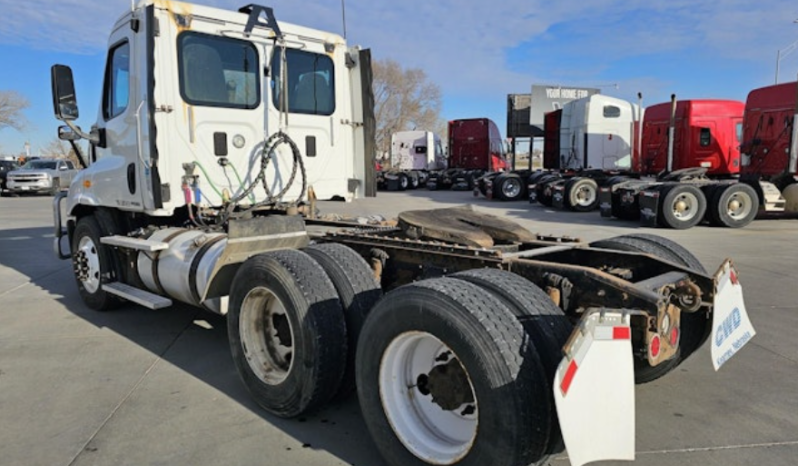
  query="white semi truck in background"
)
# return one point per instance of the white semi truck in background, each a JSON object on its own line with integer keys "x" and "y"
{"x": 469, "y": 340}
{"x": 414, "y": 154}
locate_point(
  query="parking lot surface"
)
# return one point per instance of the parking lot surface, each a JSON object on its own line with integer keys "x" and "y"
{"x": 136, "y": 386}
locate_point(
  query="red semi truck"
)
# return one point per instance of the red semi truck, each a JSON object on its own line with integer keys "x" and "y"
{"x": 475, "y": 148}
{"x": 706, "y": 146}
{"x": 767, "y": 172}
{"x": 707, "y": 134}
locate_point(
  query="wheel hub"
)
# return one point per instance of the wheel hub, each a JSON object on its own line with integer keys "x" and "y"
{"x": 428, "y": 398}
{"x": 681, "y": 206}
{"x": 266, "y": 336}
{"x": 512, "y": 188}
{"x": 447, "y": 384}
{"x": 734, "y": 205}
{"x": 87, "y": 264}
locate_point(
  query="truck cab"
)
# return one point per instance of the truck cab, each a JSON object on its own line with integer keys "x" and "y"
{"x": 707, "y": 134}
{"x": 191, "y": 95}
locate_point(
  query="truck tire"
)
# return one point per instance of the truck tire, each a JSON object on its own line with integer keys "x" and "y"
{"x": 413, "y": 179}
{"x": 542, "y": 189}
{"x": 403, "y": 181}
{"x": 682, "y": 206}
{"x": 542, "y": 319}
{"x": 733, "y": 206}
{"x": 446, "y": 375}
{"x": 535, "y": 176}
{"x": 94, "y": 264}
{"x": 509, "y": 187}
{"x": 581, "y": 194}
{"x": 358, "y": 291}
{"x": 694, "y": 326}
{"x": 287, "y": 332}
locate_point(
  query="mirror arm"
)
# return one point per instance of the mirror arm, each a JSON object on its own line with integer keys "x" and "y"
{"x": 79, "y": 153}
{"x": 91, "y": 138}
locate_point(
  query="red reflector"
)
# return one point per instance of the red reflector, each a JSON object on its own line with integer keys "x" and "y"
{"x": 733, "y": 277}
{"x": 621, "y": 333}
{"x": 674, "y": 336}
{"x": 569, "y": 377}
{"x": 654, "y": 346}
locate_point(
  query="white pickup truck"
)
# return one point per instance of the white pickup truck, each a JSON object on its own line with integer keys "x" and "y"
{"x": 41, "y": 175}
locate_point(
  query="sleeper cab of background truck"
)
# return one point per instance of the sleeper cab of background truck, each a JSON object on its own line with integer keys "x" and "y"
{"x": 707, "y": 135}
{"x": 211, "y": 119}
{"x": 766, "y": 144}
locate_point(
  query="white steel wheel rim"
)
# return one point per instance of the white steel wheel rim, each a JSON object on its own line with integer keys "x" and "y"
{"x": 511, "y": 187}
{"x": 431, "y": 433}
{"x": 585, "y": 195}
{"x": 89, "y": 260}
{"x": 685, "y": 206}
{"x": 739, "y": 205}
{"x": 267, "y": 336}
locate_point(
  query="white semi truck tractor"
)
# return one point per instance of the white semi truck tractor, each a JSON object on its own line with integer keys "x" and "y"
{"x": 468, "y": 339}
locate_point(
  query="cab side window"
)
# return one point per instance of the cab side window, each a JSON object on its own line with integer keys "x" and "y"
{"x": 117, "y": 81}
{"x": 310, "y": 82}
{"x": 705, "y": 137}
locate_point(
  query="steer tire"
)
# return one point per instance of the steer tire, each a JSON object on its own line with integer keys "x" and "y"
{"x": 100, "y": 262}
{"x": 460, "y": 323}
{"x": 358, "y": 291}
{"x": 283, "y": 301}
{"x": 695, "y": 327}
{"x": 542, "y": 319}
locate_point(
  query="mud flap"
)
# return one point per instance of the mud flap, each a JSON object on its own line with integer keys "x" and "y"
{"x": 594, "y": 390}
{"x": 558, "y": 197}
{"x": 731, "y": 327}
{"x": 533, "y": 193}
{"x": 649, "y": 207}
{"x": 605, "y": 201}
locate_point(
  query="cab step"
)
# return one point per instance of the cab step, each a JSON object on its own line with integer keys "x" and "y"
{"x": 136, "y": 295}
{"x": 134, "y": 243}
{"x": 774, "y": 202}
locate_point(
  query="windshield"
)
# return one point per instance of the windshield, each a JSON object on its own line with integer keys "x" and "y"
{"x": 41, "y": 165}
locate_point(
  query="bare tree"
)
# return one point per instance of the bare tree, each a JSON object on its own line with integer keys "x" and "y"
{"x": 404, "y": 99}
{"x": 58, "y": 149}
{"x": 12, "y": 104}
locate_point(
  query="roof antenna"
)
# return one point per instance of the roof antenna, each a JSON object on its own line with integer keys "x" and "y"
{"x": 343, "y": 15}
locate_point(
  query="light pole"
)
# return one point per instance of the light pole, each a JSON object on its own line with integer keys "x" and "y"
{"x": 787, "y": 50}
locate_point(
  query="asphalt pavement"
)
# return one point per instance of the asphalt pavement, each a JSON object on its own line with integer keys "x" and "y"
{"x": 140, "y": 387}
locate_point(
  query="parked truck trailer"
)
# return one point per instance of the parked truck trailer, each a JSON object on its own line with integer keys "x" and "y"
{"x": 468, "y": 339}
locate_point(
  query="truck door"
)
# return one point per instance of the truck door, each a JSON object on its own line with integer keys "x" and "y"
{"x": 318, "y": 112}
{"x": 116, "y": 182}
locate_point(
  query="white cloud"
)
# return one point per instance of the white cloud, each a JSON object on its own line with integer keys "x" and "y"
{"x": 465, "y": 46}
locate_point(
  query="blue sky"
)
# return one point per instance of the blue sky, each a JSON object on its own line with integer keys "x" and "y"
{"x": 477, "y": 51}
